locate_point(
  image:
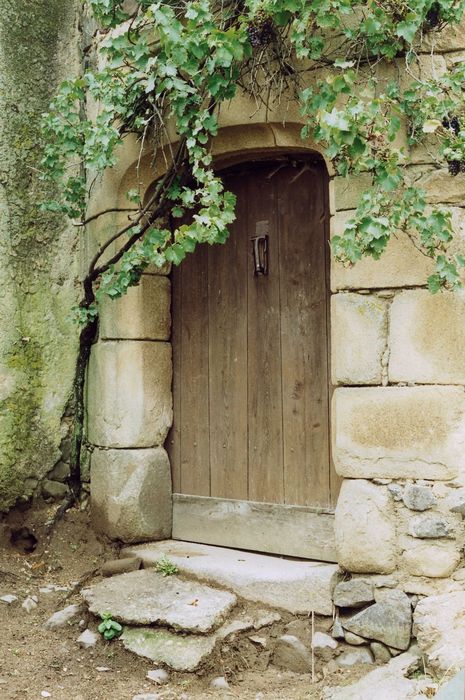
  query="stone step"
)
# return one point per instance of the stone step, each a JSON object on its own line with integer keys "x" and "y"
{"x": 187, "y": 652}
{"x": 299, "y": 587}
{"x": 149, "y": 598}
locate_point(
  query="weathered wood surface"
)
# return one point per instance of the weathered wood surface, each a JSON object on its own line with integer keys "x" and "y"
{"x": 291, "y": 530}
{"x": 251, "y": 353}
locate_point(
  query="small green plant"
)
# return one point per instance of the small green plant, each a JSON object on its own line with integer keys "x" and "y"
{"x": 108, "y": 628}
{"x": 165, "y": 567}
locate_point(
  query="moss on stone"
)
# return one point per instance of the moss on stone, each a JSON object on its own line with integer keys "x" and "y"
{"x": 38, "y": 256}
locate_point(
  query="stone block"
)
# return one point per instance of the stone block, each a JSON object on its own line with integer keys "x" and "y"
{"x": 435, "y": 560}
{"x": 448, "y": 38}
{"x": 399, "y": 432}
{"x": 365, "y": 528}
{"x": 400, "y": 265}
{"x": 442, "y": 188}
{"x": 358, "y": 338}
{"x": 427, "y": 337}
{"x": 141, "y": 314}
{"x": 131, "y": 494}
{"x": 440, "y": 631}
{"x": 348, "y": 190}
{"x": 129, "y": 397}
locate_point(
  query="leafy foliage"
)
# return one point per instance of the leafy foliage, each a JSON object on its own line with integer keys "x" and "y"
{"x": 108, "y": 628}
{"x": 166, "y": 567}
{"x": 178, "y": 63}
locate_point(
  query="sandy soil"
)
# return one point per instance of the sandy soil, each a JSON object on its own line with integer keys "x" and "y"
{"x": 35, "y": 661}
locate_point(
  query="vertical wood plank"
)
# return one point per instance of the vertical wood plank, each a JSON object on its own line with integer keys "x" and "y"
{"x": 227, "y": 296}
{"x": 264, "y": 356}
{"x": 194, "y": 423}
{"x": 301, "y": 215}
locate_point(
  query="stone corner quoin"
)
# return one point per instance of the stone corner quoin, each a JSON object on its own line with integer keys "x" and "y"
{"x": 399, "y": 432}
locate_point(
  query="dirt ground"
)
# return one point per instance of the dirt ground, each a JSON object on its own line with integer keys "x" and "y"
{"x": 37, "y": 663}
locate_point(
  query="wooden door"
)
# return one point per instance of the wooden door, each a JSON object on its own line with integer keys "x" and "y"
{"x": 250, "y": 447}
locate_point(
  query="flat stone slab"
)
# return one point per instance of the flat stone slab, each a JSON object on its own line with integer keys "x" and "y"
{"x": 296, "y": 586}
{"x": 186, "y": 652}
{"x": 148, "y": 598}
{"x": 390, "y": 682}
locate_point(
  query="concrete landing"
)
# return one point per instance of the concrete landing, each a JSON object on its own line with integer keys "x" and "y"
{"x": 299, "y": 587}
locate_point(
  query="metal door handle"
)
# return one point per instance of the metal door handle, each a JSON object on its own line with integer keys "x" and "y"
{"x": 260, "y": 255}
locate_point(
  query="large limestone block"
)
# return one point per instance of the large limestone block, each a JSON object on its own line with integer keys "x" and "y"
{"x": 399, "y": 432}
{"x": 129, "y": 393}
{"x": 427, "y": 338}
{"x": 449, "y": 38}
{"x": 365, "y": 528}
{"x": 358, "y": 338}
{"x": 402, "y": 264}
{"x": 442, "y": 188}
{"x": 440, "y": 630}
{"x": 141, "y": 314}
{"x": 348, "y": 190}
{"x": 431, "y": 559}
{"x": 131, "y": 494}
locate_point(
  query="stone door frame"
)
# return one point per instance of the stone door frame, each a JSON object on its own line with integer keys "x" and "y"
{"x": 130, "y": 373}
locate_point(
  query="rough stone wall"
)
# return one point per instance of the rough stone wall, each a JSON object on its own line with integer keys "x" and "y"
{"x": 39, "y": 47}
{"x": 399, "y": 405}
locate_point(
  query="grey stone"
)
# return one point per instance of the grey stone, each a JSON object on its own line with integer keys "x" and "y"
{"x": 9, "y": 598}
{"x": 418, "y": 497}
{"x": 87, "y": 639}
{"x": 120, "y": 566}
{"x": 29, "y": 604}
{"x": 390, "y": 595}
{"x": 354, "y": 593}
{"x": 179, "y": 652}
{"x": 259, "y": 641}
{"x": 380, "y": 652}
{"x": 131, "y": 494}
{"x": 396, "y": 491}
{"x": 296, "y": 586}
{"x": 60, "y": 472}
{"x": 353, "y": 658}
{"x": 146, "y": 597}
{"x": 147, "y": 696}
{"x": 389, "y": 622}
{"x": 182, "y": 652}
{"x": 219, "y": 683}
{"x": 338, "y": 630}
{"x": 63, "y": 617}
{"x": 430, "y": 527}
{"x": 321, "y": 641}
{"x": 458, "y": 502}
{"x": 386, "y": 683}
{"x": 291, "y": 655}
{"x": 440, "y": 630}
{"x": 54, "y": 489}
{"x": 158, "y": 676}
{"x": 354, "y": 639}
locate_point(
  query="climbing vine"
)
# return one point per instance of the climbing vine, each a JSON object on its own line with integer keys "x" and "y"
{"x": 356, "y": 69}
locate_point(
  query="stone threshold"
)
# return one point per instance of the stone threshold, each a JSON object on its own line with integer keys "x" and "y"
{"x": 296, "y": 586}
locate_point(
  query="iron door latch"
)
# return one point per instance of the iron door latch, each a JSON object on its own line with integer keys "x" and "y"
{"x": 260, "y": 255}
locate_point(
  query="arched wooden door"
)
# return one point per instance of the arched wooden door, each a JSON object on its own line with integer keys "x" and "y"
{"x": 250, "y": 447}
